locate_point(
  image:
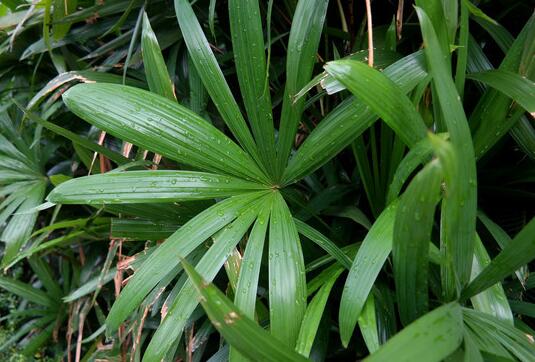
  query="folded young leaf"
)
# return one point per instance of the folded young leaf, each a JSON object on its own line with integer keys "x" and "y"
{"x": 239, "y": 330}
{"x": 154, "y": 63}
{"x": 410, "y": 248}
{"x": 460, "y": 199}
{"x": 149, "y": 187}
{"x": 160, "y": 125}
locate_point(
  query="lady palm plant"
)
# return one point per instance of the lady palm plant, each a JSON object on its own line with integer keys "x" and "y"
{"x": 242, "y": 188}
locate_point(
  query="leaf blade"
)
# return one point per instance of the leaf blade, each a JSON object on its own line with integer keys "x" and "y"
{"x": 148, "y": 186}
{"x": 287, "y": 285}
{"x": 240, "y": 331}
{"x": 140, "y": 117}
{"x": 365, "y": 268}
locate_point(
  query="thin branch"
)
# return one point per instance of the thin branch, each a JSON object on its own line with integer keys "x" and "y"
{"x": 370, "y": 32}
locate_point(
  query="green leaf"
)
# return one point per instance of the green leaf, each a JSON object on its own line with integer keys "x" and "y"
{"x": 366, "y": 267}
{"x": 237, "y": 329}
{"x": 25, "y": 291}
{"x": 287, "y": 284}
{"x": 180, "y": 244}
{"x": 307, "y": 25}
{"x": 90, "y": 286}
{"x": 383, "y": 96}
{"x": 491, "y": 115}
{"x": 154, "y": 64}
{"x": 206, "y": 64}
{"x": 417, "y": 156}
{"x": 20, "y": 226}
{"x": 246, "y": 289}
{"x": 313, "y": 314}
{"x": 498, "y": 337}
{"x": 352, "y": 213}
{"x": 249, "y": 273}
{"x": 493, "y": 300}
{"x": 157, "y": 124}
{"x": 410, "y": 248}
{"x": 323, "y": 242}
{"x": 348, "y": 120}
{"x": 503, "y": 239}
{"x": 477, "y": 12}
{"x": 520, "y": 89}
{"x": 149, "y": 186}
{"x": 85, "y": 76}
{"x": 459, "y": 204}
{"x": 431, "y": 338}
{"x": 185, "y": 302}
{"x": 518, "y": 252}
{"x": 62, "y": 9}
{"x": 114, "y": 156}
{"x": 250, "y": 59}
{"x": 136, "y": 229}
{"x": 368, "y": 324}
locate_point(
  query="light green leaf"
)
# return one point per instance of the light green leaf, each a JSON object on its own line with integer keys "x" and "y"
{"x": 249, "y": 273}
{"x": 368, "y": 324}
{"x": 137, "y": 229}
{"x": 498, "y": 337}
{"x": 20, "y": 226}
